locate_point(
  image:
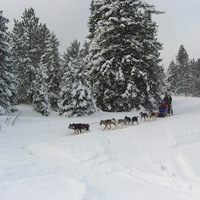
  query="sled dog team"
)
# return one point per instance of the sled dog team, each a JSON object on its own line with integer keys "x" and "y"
{"x": 119, "y": 123}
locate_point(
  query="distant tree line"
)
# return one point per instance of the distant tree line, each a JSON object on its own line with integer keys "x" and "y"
{"x": 116, "y": 69}
{"x": 183, "y": 75}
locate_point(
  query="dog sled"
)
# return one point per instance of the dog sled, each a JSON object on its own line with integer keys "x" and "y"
{"x": 162, "y": 113}
{"x": 164, "y": 110}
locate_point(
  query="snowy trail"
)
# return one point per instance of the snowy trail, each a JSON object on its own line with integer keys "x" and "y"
{"x": 40, "y": 158}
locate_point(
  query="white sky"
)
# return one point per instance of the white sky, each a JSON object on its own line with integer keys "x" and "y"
{"x": 68, "y": 20}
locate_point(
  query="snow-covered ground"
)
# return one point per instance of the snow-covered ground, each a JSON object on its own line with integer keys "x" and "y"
{"x": 41, "y": 159}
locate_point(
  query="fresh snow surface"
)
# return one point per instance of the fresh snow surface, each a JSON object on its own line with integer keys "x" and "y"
{"x": 41, "y": 159}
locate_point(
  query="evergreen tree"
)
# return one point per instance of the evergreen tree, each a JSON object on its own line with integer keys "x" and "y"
{"x": 181, "y": 74}
{"x": 172, "y": 74}
{"x": 123, "y": 55}
{"x": 184, "y": 75}
{"x": 196, "y": 77}
{"x": 40, "y": 96}
{"x": 50, "y": 62}
{"x": 84, "y": 54}
{"x": 76, "y": 98}
{"x": 163, "y": 79}
{"x": 28, "y": 42}
{"x": 7, "y": 80}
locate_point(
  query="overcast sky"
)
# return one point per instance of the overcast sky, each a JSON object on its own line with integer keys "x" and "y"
{"x": 68, "y": 20}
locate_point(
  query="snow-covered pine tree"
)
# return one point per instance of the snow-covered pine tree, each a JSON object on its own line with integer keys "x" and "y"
{"x": 40, "y": 95}
{"x": 172, "y": 74}
{"x": 84, "y": 53}
{"x": 195, "y": 84}
{"x": 86, "y": 98}
{"x": 76, "y": 98}
{"x": 40, "y": 85}
{"x": 153, "y": 74}
{"x": 184, "y": 75}
{"x": 194, "y": 80}
{"x": 162, "y": 78}
{"x": 124, "y": 54}
{"x": 68, "y": 61}
{"x": 197, "y": 79}
{"x": 50, "y": 62}
{"x": 7, "y": 80}
{"x": 28, "y": 41}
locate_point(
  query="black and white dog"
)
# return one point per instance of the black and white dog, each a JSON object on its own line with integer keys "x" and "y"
{"x": 135, "y": 119}
{"x": 127, "y": 120}
{"x": 143, "y": 115}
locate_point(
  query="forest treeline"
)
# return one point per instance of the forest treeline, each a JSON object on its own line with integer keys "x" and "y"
{"x": 116, "y": 69}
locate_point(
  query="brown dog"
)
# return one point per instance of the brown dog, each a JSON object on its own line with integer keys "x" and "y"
{"x": 153, "y": 115}
{"x": 118, "y": 122}
{"x": 107, "y": 123}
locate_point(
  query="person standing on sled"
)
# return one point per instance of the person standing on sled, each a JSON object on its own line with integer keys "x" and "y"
{"x": 168, "y": 100}
{"x": 170, "y": 105}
